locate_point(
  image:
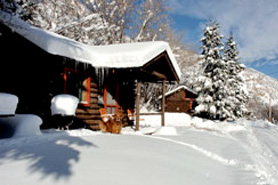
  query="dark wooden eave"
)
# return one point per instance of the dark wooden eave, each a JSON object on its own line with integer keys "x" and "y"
{"x": 161, "y": 67}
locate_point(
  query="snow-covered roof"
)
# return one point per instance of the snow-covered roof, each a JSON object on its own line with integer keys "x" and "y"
{"x": 177, "y": 89}
{"x": 128, "y": 55}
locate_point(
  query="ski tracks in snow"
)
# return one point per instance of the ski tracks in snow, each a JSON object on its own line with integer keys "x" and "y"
{"x": 261, "y": 156}
{"x": 207, "y": 153}
{"x": 261, "y": 152}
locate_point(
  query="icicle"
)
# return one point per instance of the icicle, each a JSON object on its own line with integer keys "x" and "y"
{"x": 101, "y": 74}
{"x": 76, "y": 64}
{"x": 86, "y": 66}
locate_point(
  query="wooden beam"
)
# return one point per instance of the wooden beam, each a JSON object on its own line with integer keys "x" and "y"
{"x": 159, "y": 75}
{"x": 163, "y": 104}
{"x": 172, "y": 67}
{"x": 138, "y": 95}
{"x": 156, "y": 76}
{"x": 165, "y": 55}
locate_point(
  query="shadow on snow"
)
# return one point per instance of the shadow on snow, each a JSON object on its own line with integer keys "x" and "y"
{"x": 52, "y": 156}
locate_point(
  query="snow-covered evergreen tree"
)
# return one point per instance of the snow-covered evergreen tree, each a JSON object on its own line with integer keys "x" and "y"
{"x": 221, "y": 90}
{"x": 237, "y": 93}
{"x": 211, "y": 84}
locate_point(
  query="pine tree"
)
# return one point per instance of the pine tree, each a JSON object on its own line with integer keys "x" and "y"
{"x": 221, "y": 89}
{"x": 211, "y": 84}
{"x": 237, "y": 94}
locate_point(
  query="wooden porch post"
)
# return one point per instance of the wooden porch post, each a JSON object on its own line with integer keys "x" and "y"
{"x": 163, "y": 104}
{"x": 138, "y": 105}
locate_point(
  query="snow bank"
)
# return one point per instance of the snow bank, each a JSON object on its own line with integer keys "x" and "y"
{"x": 74, "y": 133}
{"x": 185, "y": 120}
{"x": 204, "y": 124}
{"x": 17, "y": 125}
{"x": 64, "y": 104}
{"x": 8, "y": 104}
{"x": 166, "y": 131}
{"x": 27, "y": 125}
{"x": 81, "y": 132}
{"x": 21, "y": 125}
{"x": 171, "y": 119}
{"x": 218, "y": 126}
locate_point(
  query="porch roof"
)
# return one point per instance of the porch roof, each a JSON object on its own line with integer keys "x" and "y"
{"x": 128, "y": 55}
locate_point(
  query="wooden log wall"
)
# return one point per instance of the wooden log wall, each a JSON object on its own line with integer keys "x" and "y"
{"x": 90, "y": 115}
{"x": 176, "y": 102}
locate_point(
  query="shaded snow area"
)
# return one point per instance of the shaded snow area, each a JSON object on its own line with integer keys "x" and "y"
{"x": 8, "y": 104}
{"x": 186, "y": 151}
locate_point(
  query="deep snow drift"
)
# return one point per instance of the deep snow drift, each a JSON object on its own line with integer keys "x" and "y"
{"x": 186, "y": 151}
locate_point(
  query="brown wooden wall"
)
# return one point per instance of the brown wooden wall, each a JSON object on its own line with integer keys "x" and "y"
{"x": 178, "y": 102}
{"x": 90, "y": 115}
{"x": 178, "y": 106}
{"x": 176, "y": 96}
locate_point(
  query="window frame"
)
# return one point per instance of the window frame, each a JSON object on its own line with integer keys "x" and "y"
{"x": 110, "y": 107}
{"x": 86, "y": 103}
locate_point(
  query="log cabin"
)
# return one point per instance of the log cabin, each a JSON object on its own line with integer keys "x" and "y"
{"x": 180, "y": 99}
{"x": 37, "y": 64}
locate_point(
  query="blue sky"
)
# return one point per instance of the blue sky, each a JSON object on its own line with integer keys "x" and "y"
{"x": 254, "y": 24}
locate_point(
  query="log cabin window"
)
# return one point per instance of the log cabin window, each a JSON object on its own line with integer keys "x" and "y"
{"x": 77, "y": 84}
{"x": 111, "y": 103}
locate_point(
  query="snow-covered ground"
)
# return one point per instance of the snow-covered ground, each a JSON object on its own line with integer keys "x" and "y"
{"x": 186, "y": 151}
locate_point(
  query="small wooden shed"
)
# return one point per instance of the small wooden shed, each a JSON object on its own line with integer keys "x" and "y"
{"x": 180, "y": 99}
{"x": 38, "y": 64}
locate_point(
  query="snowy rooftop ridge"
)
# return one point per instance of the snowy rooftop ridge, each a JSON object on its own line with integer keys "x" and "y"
{"x": 111, "y": 56}
{"x": 178, "y": 88}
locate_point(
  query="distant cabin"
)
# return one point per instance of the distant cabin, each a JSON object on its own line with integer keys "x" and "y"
{"x": 180, "y": 99}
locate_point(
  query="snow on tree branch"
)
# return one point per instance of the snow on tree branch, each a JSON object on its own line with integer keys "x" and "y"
{"x": 221, "y": 90}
